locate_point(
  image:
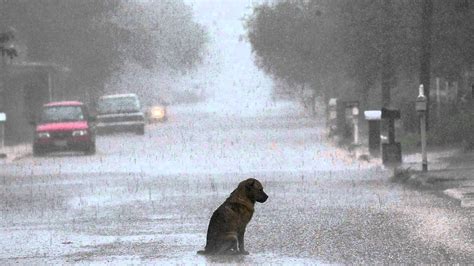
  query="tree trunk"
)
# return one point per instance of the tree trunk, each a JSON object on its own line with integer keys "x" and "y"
{"x": 367, "y": 84}
{"x": 387, "y": 62}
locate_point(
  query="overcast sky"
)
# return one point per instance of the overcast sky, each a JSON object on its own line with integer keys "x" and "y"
{"x": 238, "y": 85}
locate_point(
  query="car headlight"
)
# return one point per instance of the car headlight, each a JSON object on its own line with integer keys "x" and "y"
{"x": 157, "y": 113}
{"x": 79, "y": 133}
{"x": 43, "y": 135}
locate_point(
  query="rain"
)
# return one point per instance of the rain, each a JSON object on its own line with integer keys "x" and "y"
{"x": 124, "y": 125}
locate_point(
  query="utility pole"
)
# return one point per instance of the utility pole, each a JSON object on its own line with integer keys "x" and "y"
{"x": 425, "y": 59}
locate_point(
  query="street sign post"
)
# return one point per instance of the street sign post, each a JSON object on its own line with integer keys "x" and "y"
{"x": 353, "y": 106}
{"x": 3, "y": 119}
{"x": 391, "y": 151}
{"x": 421, "y": 108}
{"x": 332, "y": 116}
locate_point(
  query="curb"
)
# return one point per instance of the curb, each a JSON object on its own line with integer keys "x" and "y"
{"x": 464, "y": 195}
{"x": 14, "y": 153}
{"x": 19, "y": 157}
{"x": 412, "y": 178}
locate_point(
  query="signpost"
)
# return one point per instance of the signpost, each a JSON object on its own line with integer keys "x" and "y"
{"x": 391, "y": 151}
{"x": 332, "y": 116}
{"x": 3, "y": 119}
{"x": 352, "y": 108}
{"x": 421, "y": 108}
{"x": 355, "y": 117}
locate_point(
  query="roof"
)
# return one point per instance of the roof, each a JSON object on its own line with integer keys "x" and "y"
{"x": 118, "y": 95}
{"x": 64, "y": 103}
{"x": 50, "y": 66}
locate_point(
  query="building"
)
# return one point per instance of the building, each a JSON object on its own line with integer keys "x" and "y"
{"x": 24, "y": 88}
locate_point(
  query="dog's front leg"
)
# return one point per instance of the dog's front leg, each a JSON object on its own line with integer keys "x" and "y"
{"x": 229, "y": 245}
{"x": 241, "y": 243}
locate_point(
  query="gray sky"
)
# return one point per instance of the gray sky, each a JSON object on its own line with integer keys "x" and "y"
{"x": 238, "y": 85}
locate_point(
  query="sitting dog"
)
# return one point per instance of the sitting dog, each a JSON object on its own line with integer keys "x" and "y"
{"x": 225, "y": 234}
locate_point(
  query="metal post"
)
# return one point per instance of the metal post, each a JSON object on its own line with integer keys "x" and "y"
{"x": 391, "y": 131}
{"x": 421, "y": 108}
{"x": 472, "y": 93}
{"x": 456, "y": 92}
{"x": 356, "y": 131}
{"x": 3, "y": 120}
{"x": 438, "y": 100}
{"x": 355, "y": 118}
{"x": 424, "y": 156}
{"x": 2, "y": 135}
{"x": 50, "y": 89}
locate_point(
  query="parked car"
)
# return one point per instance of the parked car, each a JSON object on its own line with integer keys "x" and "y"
{"x": 64, "y": 126}
{"x": 157, "y": 113}
{"x": 120, "y": 112}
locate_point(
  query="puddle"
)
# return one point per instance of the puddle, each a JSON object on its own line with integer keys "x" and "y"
{"x": 193, "y": 259}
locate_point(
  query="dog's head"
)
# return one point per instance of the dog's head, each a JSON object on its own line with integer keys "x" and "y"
{"x": 254, "y": 190}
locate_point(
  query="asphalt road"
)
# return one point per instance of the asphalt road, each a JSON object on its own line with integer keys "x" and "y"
{"x": 147, "y": 199}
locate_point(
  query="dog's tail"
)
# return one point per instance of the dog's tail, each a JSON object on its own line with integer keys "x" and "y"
{"x": 202, "y": 252}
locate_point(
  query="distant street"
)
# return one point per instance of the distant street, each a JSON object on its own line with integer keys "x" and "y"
{"x": 148, "y": 199}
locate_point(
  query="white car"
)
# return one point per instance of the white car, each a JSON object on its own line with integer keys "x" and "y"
{"x": 120, "y": 112}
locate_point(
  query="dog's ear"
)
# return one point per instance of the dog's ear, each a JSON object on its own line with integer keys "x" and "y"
{"x": 250, "y": 182}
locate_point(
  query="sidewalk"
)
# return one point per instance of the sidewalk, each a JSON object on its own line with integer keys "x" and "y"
{"x": 15, "y": 152}
{"x": 450, "y": 171}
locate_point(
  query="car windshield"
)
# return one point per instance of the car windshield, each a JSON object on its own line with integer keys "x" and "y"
{"x": 62, "y": 114}
{"x": 118, "y": 105}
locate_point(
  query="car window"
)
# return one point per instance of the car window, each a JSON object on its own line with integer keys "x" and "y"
{"x": 62, "y": 114}
{"x": 118, "y": 105}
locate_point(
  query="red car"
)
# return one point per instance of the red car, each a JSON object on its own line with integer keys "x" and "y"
{"x": 64, "y": 126}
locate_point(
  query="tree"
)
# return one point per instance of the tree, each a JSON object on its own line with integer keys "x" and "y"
{"x": 285, "y": 36}
{"x": 163, "y": 35}
{"x": 365, "y": 44}
{"x": 95, "y": 38}
{"x": 5, "y": 38}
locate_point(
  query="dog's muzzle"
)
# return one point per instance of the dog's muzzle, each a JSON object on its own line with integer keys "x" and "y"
{"x": 262, "y": 198}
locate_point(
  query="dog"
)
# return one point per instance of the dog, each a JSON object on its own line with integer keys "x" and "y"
{"x": 225, "y": 234}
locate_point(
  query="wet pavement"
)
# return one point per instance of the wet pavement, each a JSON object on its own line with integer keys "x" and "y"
{"x": 148, "y": 199}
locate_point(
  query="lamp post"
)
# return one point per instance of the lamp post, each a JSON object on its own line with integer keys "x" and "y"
{"x": 421, "y": 108}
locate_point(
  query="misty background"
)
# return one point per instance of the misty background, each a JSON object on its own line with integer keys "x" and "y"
{"x": 243, "y": 57}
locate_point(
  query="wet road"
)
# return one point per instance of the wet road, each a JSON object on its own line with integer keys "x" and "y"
{"x": 147, "y": 199}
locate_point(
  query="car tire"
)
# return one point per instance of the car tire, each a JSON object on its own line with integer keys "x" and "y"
{"x": 91, "y": 149}
{"x": 141, "y": 130}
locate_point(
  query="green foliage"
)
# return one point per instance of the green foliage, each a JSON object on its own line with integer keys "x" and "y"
{"x": 369, "y": 44}
{"x": 162, "y": 34}
{"x": 457, "y": 128}
{"x": 5, "y": 38}
{"x": 94, "y": 38}
{"x": 316, "y": 41}
{"x": 450, "y": 128}
{"x": 453, "y": 38}
{"x": 292, "y": 40}
{"x": 410, "y": 142}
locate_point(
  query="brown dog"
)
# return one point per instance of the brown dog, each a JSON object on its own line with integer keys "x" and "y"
{"x": 225, "y": 234}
